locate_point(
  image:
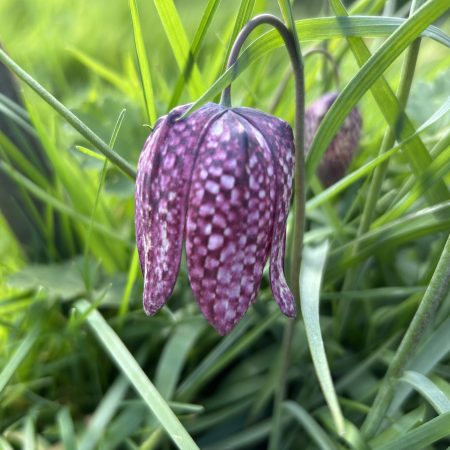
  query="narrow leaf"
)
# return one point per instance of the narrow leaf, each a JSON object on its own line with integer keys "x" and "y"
{"x": 144, "y": 67}
{"x": 178, "y": 40}
{"x": 19, "y": 355}
{"x": 424, "y": 386}
{"x": 422, "y": 436}
{"x": 138, "y": 379}
{"x": 310, "y": 280}
{"x": 316, "y": 433}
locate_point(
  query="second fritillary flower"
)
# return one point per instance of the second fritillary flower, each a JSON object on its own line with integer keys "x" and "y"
{"x": 220, "y": 180}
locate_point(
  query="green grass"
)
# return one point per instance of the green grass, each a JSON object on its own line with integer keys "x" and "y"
{"x": 82, "y": 367}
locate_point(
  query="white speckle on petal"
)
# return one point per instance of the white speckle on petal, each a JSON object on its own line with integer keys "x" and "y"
{"x": 215, "y": 241}
{"x": 212, "y": 187}
{"x": 227, "y": 182}
{"x": 207, "y": 210}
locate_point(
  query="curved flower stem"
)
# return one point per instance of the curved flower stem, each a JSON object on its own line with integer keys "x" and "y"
{"x": 287, "y": 76}
{"x": 295, "y": 55}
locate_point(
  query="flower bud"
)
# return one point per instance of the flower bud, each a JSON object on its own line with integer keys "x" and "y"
{"x": 340, "y": 152}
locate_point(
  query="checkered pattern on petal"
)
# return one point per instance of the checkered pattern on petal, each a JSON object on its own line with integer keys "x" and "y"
{"x": 278, "y": 135}
{"x": 229, "y": 221}
{"x": 164, "y": 173}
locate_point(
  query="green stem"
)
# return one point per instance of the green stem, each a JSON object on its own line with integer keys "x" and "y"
{"x": 292, "y": 45}
{"x": 287, "y": 76}
{"x": 374, "y": 190}
{"x": 80, "y": 126}
{"x": 435, "y": 293}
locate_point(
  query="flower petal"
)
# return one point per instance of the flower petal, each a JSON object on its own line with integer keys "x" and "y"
{"x": 162, "y": 185}
{"x": 278, "y": 135}
{"x": 229, "y": 221}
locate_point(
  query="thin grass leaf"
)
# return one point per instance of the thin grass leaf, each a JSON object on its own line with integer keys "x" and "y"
{"x": 66, "y": 429}
{"x": 21, "y": 161}
{"x": 131, "y": 278}
{"x": 15, "y": 107}
{"x": 102, "y": 416}
{"x": 196, "y": 44}
{"x": 144, "y": 68}
{"x": 101, "y": 182}
{"x": 19, "y": 355}
{"x": 29, "y": 438}
{"x": 422, "y": 436}
{"x": 102, "y": 71}
{"x": 250, "y": 438}
{"x": 386, "y": 294}
{"x": 16, "y": 118}
{"x": 186, "y": 408}
{"x": 90, "y": 153}
{"x": 308, "y": 423}
{"x": 425, "y": 387}
{"x": 180, "y": 45}
{"x": 435, "y": 348}
{"x": 131, "y": 369}
{"x": 174, "y": 355}
{"x": 401, "y": 426}
{"x": 243, "y": 16}
{"x": 5, "y": 445}
{"x": 352, "y": 435}
{"x": 310, "y": 281}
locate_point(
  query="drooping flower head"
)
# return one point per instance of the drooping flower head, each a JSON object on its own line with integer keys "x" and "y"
{"x": 220, "y": 180}
{"x": 340, "y": 152}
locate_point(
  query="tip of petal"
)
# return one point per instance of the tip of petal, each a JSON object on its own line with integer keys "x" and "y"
{"x": 288, "y": 307}
{"x": 152, "y": 305}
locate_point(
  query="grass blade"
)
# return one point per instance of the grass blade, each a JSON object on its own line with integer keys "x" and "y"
{"x": 310, "y": 280}
{"x": 138, "y": 379}
{"x": 180, "y": 45}
{"x": 421, "y": 437}
{"x": 66, "y": 429}
{"x": 200, "y": 34}
{"x": 144, "y": 67}
{"x": 428, "y": 356}
{"x": 243, "y": 16}
{"x": 424, "y": 386}
{"x": 174, "y": 356}
{"x": 103, "y": 414}
{"x": 19, "y": 355}
{"x": 317, "y": 434}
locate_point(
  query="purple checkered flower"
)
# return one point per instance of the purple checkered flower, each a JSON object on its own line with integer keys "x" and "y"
{"x": 340, "y": 152}
{"x": 220, "y": 180}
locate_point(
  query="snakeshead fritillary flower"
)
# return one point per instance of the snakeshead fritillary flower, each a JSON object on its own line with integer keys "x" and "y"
{"x": 340, "y": 153}
{"x": 220, "y": 179}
